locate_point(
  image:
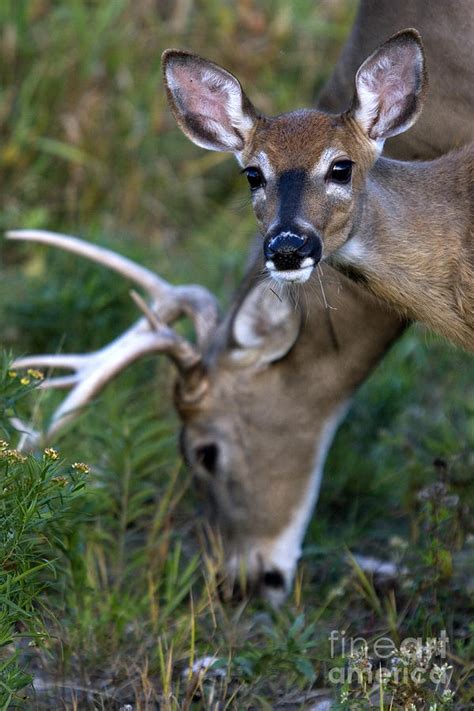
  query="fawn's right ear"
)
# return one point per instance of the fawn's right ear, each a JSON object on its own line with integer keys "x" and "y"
{"x": 207, "y": 102}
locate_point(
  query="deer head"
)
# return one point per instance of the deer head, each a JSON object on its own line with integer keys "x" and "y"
{"x": 254, "y": 432}
{"x": 307, "y": 170}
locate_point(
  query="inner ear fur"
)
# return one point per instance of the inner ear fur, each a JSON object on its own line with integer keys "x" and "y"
{"x": 207, "y": 102}
{"x": 390, "y": 86}
{"x": 265, "y": 327}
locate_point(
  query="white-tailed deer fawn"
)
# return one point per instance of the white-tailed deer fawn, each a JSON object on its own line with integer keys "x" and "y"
{"x": 322, "y": 193}
{"x": 259, "y": 409}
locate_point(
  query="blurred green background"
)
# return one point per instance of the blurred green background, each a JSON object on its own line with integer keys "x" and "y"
{"x": 88, "y": 147}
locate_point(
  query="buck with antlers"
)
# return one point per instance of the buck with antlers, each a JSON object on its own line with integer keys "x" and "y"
{"x": 321, "y": 192}
{"x": 238, "y": 394}
{"x": 265, "y": 390}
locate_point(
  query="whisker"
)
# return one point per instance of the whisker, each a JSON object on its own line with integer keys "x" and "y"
{"x": 305, "y": 292}
{"x": 320, "y": 273}
{"x": 314, "y": 291}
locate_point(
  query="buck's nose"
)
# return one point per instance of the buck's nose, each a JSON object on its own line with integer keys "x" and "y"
{"x": 288, "y": 251}
{"x": 271, "y": 585}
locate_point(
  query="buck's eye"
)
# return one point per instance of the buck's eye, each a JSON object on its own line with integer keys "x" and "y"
{"x": 341, "y": 171}
{"x": 207, "y": 456}
{"x": 255, "y": 178}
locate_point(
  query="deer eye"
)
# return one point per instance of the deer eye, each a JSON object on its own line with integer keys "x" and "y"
{"x": 340, "y": 171}
{"x": 207, "y": 456}
{"x": 255, "y": 178}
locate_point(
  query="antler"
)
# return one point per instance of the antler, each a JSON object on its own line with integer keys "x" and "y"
{"x": 150, "y": 334}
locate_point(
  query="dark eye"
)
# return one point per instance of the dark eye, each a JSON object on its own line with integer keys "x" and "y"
{"x": 341, "y": 171}
{"x": 207, "y": 457}
{"x": 255, "y": 178}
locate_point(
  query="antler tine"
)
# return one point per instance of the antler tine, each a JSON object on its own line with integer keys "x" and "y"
{"x": 29, "y": 436}
{"x": 200, "y": 306}
{"x": 93, "y": 371}
{"x": 193, "y": 300}
{"x": 48, "y": 361}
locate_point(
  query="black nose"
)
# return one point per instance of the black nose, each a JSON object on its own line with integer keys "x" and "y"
{"x": 274, "y": 579}
{"x": 235, "y": 591}
{"x": 287, "y": 250}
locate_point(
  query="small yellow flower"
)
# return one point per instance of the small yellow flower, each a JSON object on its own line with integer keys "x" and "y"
{"x": 60, "y": 480}
{"x": 12, "y": 373}
{"x": 3, "y": 445}
{"x": 81, "y": 467}
{"x": 51, "y": 453}
{"x": 12, "y": 455}
{"x": 35, "y": 374}
{"x": 25, "y": 380}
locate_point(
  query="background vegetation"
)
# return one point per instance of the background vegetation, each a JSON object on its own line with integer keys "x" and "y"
{"x": 88, "y": 147}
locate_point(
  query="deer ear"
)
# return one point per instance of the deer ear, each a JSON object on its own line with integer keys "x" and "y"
{"x": 389, "y": 87}
{"x": 207, "y": 102}
{"x": 265, "y": 326}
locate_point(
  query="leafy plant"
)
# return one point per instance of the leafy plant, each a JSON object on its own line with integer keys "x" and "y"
{"x": 36, "y": 496}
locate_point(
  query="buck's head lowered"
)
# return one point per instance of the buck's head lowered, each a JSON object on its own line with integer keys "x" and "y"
{"x": 254, "y": 442}
{"x": 306, "y": 169}
{"x": 251, "y": 432}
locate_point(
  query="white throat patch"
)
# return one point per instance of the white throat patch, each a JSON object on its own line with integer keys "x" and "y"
{"x": 285, "y": 550}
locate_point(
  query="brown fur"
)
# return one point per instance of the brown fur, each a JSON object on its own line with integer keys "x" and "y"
{"x": 413, "y": 221}
{"x": 418, "y": 240}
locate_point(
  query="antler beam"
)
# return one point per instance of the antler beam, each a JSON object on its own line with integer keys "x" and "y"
{"x": 193, "y": 301}
{"x": 150, "y": 334}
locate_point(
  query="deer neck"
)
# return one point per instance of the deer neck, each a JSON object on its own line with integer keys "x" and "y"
{"x": 410, "y": 244}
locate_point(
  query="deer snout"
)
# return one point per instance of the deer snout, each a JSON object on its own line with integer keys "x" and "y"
{"x": 290, "y": 256}
{"x": 272, "y": 585}
{"x": 265, "y": 569}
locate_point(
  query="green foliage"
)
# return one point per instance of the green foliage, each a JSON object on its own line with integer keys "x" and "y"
{"x": 14, "y": 388}
{"x": 284, "y": 650}
{"x": 36, "y": 496}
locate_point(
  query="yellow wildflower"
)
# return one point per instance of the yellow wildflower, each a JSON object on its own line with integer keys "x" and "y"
{"x": 51, "y": 453}
{"x": 12, "y": 455}
{"x": 35, "y": 374}
{"x": 81, "y": 467}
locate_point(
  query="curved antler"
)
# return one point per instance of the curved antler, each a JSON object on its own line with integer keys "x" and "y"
{"x": 190, "y": 300}
{"x": 150, "y": 334}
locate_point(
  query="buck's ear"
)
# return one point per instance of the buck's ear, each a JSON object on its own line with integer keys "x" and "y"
{"x": 265, "y": 327}
{"x": 207, "y": 102}
{"x": 389, "y": 87}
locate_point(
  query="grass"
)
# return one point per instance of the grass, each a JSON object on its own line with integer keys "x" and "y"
{"x": 87, "y": 146}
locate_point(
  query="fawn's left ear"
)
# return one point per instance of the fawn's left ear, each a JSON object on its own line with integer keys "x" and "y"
{"x": 207, "y": 102}
{"x": 389, "y": 87}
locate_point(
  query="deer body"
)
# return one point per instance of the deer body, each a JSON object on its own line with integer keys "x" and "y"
{"x": 412, "y": 244}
